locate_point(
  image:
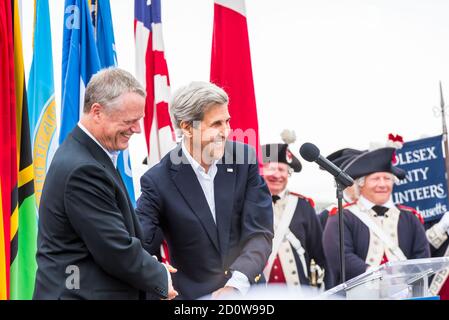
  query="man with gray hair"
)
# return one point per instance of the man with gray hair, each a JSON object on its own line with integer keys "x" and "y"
{"x": 209, "y": 199}
{"x": 89, "y": 238}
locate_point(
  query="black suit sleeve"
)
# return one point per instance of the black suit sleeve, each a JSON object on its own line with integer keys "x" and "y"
{"x": 148, "y": 208}
{"x": 257, "y": 226}
{"x": 92, "y": 209}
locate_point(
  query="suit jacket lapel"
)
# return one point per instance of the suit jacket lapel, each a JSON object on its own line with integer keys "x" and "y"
{"x": 187, "y": 183}
{"x": 135, "y": 228}
{"x": 224, "y": 199}
{"x": 101, "y": 156}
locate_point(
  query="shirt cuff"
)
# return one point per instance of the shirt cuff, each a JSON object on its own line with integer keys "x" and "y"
{"x": 168, "y": 277}
{"x": 169, "y": 281}
{"x": 239, "y": 281}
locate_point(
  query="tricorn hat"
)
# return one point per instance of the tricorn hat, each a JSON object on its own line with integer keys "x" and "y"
{"x": 368, "y": 162}
{"x": 341, "y": 156}
{"x": 279, "y": 152}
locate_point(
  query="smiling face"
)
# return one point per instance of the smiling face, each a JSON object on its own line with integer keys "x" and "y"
{"x": 117, "y": 124}
{"x": 276, "y": 176}
{"x": 208, "y": 137}
{"x": 378, "y": 187}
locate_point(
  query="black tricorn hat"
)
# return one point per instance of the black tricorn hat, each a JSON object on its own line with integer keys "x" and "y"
{"x": 379, "y": 160}
{"x": 341, "y": 156}
{"x": 279, "y": 152}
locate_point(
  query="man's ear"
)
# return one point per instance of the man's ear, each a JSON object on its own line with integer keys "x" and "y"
{"x": 96, "y": 111}
{"x": 187, "y": 129}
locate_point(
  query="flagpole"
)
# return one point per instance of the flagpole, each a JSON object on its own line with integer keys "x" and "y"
{"x": 445, "y": 138}
{"x": 156, "y": 124}
{"x": 93, "y": 12}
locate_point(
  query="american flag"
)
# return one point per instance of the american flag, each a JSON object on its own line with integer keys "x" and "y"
{"x": 152, "y": 72}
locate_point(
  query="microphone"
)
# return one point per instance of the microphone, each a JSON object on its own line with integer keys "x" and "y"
{"x": 311, "y": 153}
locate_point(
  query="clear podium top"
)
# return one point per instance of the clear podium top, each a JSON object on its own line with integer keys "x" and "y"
{"x": 397, "y": 274}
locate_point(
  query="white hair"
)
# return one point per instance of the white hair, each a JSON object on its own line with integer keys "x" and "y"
{"x": 190, "y": 102}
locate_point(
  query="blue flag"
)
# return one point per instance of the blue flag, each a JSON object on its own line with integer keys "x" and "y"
{"x": 104, "y": 31}
{"x": 41, "y": 98}
{"x": 425, "y": 186}
{"x": 80, "y": 62}
{"x": 88, "y": 46}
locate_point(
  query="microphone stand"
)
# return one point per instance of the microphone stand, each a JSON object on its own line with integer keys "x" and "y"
{"x": 341, "y": 226}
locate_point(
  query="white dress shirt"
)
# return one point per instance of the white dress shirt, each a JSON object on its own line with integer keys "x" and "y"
{"x": 206, "y": 180}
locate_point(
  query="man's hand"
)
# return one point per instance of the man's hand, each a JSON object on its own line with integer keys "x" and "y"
{"x": 170, "y": 268}
{"x": 224, "y": 292}
{"x": 172, "y": 293}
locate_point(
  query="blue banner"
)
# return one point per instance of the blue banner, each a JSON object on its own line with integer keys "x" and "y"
{"x": 424, "y": 187}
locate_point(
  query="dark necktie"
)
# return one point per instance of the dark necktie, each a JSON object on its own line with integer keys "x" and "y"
{"x": 380, "y": 210}
{"x": 275, "y": 198}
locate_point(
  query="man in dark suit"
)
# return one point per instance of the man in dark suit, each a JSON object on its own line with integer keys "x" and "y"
{"x": 209, "y": 200}
{"x": 89, "y": 238}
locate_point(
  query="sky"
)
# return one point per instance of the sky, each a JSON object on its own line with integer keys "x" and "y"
{"x": 340, "y": 73}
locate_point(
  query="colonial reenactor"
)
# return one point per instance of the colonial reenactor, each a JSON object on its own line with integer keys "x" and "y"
{"x": 349, "y": 195}
{"x": 437, "y": 234}
{"x": 297, "y": 257}
{"x": 375, "y": 229}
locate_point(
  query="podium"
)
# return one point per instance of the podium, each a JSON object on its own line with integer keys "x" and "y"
{"x": 391, "y": 281}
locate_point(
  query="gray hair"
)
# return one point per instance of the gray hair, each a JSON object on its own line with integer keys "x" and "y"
{"x": 190, "y": 103}
{"x": 109, "y": 84}
{"x": 358, "y": 183}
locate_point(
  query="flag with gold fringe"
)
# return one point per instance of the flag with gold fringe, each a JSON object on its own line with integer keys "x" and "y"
{"x": 41, "y": 97}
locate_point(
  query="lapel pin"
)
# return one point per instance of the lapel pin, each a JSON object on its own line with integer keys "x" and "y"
{"x": 229, "y": 170}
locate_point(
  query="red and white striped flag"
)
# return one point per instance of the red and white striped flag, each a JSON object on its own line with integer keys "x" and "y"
{"x": 152, "y": 72}
{"x": 231, "y": 67}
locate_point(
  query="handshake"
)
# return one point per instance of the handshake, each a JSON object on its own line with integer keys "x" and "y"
{"x": 172, "y": 293}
